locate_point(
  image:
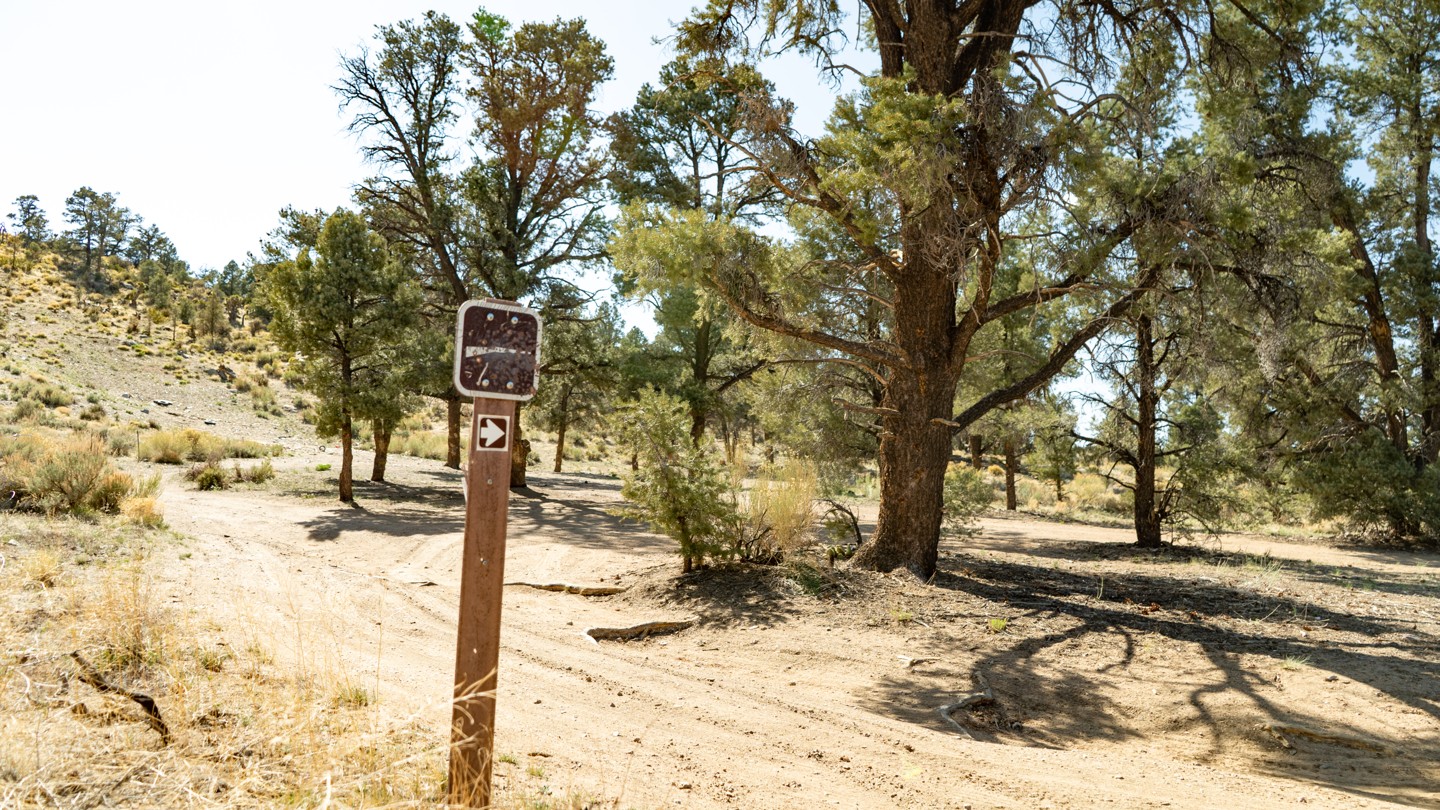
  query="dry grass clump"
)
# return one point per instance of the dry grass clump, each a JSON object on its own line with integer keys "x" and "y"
{"x": 145, "y": 512}
{"x": 244, "y": 730}
{"x": 188, "y": 444}
{"x": 1091, "y": 491}
{"x": 64, "y": 475}
{"x": 420, "y": 444}
{"x": 45, "y": 393}
{"x": 208, "y": 476}
{"x": 779, "y": 509}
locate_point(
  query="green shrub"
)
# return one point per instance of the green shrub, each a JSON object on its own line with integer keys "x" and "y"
{"x": 1088, "y": 491}
{"x": 256, "y": 474}
{"x": 164, "y": 447}
{"x": 119, "y": 442}
{"x": 69, "y": 475}
{"x": 678, "y": 488}
{"x": 208, "y": 476}
{"x": 1030, "y": 493}
{"x": 26, "y": 410}
{"x": 94, "y": 413}
{"x": 967, "y": 495}
{"x": 420, "y": 444}
{"x": 47, "y": 394}
{"x": 112, "y": 489}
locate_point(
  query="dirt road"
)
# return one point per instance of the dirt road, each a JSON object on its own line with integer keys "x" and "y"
{"x": 779, "y": 698}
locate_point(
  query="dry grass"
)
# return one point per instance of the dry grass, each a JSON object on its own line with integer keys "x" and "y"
{"x": 421, "y": 444}
{"x": 61, "y": 473}
{"x": 175, "y": 446}
{"x": 247, "y": 730}
{"x": 783, "y": 501}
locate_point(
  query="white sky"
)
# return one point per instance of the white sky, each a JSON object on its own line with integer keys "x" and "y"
{"x": 207, "y": 118}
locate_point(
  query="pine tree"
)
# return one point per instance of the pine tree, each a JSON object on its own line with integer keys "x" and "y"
{"x": 341, "y": 310}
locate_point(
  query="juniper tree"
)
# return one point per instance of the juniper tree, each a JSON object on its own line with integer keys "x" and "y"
{"x": 340, "y": 309}
{"x": 958, "y": 131}
{"x": 1347, "y": 345}
{"x": 679, "y": 148}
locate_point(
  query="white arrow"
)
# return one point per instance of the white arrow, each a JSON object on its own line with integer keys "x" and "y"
{"x": 491, "y": 433}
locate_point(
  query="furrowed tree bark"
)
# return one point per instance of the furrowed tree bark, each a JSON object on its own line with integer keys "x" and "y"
{"x": 452, "y": 428}
{"x": 347, "y": 456}
{"x": 1011, "y": 463}
{"x": 382, "y": 429}
{"x": 1147, "y": 517}
{"x": 915, "y": 443}
{"x": 563, "y": 427}
{"x": 519, "y": 450}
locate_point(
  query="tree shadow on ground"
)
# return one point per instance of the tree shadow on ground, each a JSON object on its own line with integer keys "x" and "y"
{"x": 1081, "y": 617}
{"x": 1232, "y": 562}
{"x": 395, "y": 521}
{"x": 735, "y": 594}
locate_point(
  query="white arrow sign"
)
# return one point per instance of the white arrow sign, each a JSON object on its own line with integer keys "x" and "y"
{"x": 494, "y": 433}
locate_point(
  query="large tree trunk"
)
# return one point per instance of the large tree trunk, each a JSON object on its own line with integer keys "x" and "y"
{"x": 700, "y": 376}
{"x": 914, "y": 451}
{"x": 563, "y": 426}
{"x": 452, "y": 426}
{"x": 1011, "y": 463}
{"x": 347, "y": 456}
{"x": 519, "y": 450}
{"x": 383, "y": 428}
{"x": 1147, "y": 516}
{"x": 1426, "y": 328}
{"x": 977, "y": 460}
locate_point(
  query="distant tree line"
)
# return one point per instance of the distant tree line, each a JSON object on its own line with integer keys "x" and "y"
{"x": 1187, "y": 248}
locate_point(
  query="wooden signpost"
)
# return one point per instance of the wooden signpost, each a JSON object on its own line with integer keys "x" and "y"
{"x": 497, "y": 351}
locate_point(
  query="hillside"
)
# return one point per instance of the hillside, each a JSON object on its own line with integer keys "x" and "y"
{"x": 301, "y": 650}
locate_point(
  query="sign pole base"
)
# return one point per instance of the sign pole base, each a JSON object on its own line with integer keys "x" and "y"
{"x": 482, "y": 576}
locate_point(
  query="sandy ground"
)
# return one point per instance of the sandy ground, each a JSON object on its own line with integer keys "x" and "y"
{"x": 1251, "y": 673}
{"x": 1121, "y": 681}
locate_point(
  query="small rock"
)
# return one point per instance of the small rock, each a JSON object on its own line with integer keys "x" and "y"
{"x": 164, "y": 403}
{"x": 209, "y": 421}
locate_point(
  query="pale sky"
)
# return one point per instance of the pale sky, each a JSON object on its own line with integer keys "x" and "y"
{"x": 207, "y": 118}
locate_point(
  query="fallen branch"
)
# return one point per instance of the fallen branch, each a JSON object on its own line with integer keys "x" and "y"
{"x": 90, "y": 675}
{"x": 597, "y": 634}
{"x": 1279, "y": 731}
{"x": 984, "y": 697}
{"x": 582, "y": 590}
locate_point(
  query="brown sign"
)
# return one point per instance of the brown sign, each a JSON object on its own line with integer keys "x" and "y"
{"x": 492, "y": 433}
{"x": 497, "y": 350}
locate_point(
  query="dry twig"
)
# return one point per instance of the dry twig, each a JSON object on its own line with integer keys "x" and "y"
{"x": 582, "y": 590}
{"x": 90, "y": 675}
{"x": 644, "y": 630}
{"x": 985, "y": 696}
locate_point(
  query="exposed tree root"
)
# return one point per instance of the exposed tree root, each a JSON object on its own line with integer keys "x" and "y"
{"x": 1279, "y": 732}
{"x": 90, "y": 675}
{"x": 582, "y": 590}
{"x": 597, "y": 634}
{"x": 985, "y": 696}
